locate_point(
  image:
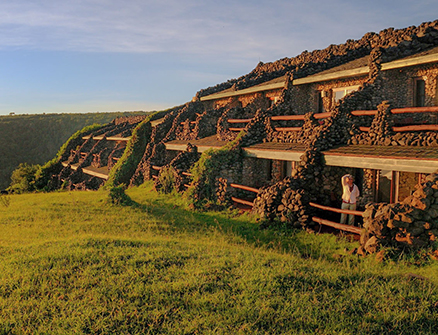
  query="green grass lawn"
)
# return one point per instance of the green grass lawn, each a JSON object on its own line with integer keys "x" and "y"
{"x": 70, "y": 263}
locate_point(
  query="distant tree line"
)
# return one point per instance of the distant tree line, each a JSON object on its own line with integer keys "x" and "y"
{"x": 35, "y": 139}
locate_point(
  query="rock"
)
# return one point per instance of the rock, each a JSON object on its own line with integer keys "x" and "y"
{"x": 371, "y": 245}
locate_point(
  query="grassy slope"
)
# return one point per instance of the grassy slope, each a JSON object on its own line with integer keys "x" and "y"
{"x": 35, "y": 139}
{"x": 70, "y": 263}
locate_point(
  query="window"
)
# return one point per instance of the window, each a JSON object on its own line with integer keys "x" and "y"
{"x": 320, "y": 96}
{"x": 339, "y": 93}
{"x": 419, "y": 92}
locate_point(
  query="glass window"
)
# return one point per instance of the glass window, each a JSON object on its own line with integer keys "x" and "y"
{"x": 339, "y": 93}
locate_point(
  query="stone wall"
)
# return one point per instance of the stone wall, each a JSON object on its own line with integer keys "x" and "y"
{"x": 398, "y": 86}
{"x": 381, "y": 132}
{"x": 412, "y": 223}
{"x": 256, "y": 172}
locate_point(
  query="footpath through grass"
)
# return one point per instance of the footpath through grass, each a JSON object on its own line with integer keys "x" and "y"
{"x": 72, "y": 264}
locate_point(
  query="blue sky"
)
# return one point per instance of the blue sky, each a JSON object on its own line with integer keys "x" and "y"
{"x": 112, "y": 55}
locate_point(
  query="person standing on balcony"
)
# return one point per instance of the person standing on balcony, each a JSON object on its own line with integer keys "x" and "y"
{"x": 349, "y": 197}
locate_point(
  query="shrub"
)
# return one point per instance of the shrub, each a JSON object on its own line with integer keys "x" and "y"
{"x": 23, "y": 178}
{"x": 166, "y": 180}
{"x": 206, "y": 172}
{"x": 117, "y": 196}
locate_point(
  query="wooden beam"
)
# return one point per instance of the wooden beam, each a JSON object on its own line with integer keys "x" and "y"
{"x": 420, "y": 127}
{"x": 336, "y": 210}
{"x": 322, "y": 115}
{"x": 243, "y": 202}
{"x": 364, "y": 112}
{"x": 239, "y": 120}
{"x": 188, "y": 174}
{"x": 118, "y": 139}
{"x": 158, "y": 168}
{"x": 382, "y": 163}
{"x": 364, "y": 128}
{"x": 287, "y": 117}
{"x": 398, "y": 111}
{"x": 340, "y": 226}
{"x": 361, "y": 71}
{"x": 246, "y": 188}
{"x": 414, "y": 110}
{"x": 300, "y": 117}
{"x": 235, "y": 129}
{"x": 254, "y": 89}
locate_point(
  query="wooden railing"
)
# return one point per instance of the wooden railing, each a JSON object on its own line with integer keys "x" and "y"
{"x": 336, "y": 225}
{"x": 280, "y": 118}
{"x": 324, "y": 115}
{"x": 246, "y": 188}
{"x": 239, "y": 120}
{"x": 243, "y": 202}
{"x": 398, "y": 111}
{"x": 417, "y": 127}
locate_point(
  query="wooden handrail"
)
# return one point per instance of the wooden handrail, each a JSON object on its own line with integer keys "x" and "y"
{"x": 243, "y": 202}
{"x": 322, "y": 115}
{"x": 246, "y": 188}
{"x": 420, "y": 127}
{"x": 398, "y": 111}
{"x": 288, "y": 128}
{"x": 239, "y": 120}
{"x": 414, "y": 110}
{"x": 340, "y": 226}
{"x": 287, "y": 117}
{"x": 364, "y": 112}
{"x": 337, "y": 210}
{"x": 299, "y": 117}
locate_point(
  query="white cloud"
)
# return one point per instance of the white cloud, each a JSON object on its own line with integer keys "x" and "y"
{"x": 235, "y": 29}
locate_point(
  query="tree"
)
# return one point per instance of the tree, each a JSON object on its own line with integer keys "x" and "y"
{"x": 23, "y": 178}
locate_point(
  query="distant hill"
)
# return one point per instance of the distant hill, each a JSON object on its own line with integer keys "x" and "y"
{"x": 36, "y": 138}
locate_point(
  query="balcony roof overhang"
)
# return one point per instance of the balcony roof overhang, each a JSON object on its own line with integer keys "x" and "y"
{"x": 403, "y": 159}
{"x": 361, "y": 71}
{"x": 280, "y": 83}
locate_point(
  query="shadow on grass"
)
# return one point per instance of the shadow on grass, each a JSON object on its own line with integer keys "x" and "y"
{"x": 172, "y": 210}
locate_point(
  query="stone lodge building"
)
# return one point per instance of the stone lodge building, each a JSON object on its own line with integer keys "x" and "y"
{"x": 284, "y": 134}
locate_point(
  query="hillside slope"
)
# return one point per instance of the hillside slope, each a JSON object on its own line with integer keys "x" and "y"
{"x": 35, "y": 139}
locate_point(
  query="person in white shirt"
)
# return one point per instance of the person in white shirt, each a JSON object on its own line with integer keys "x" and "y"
{"x": 349, "y": 197}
